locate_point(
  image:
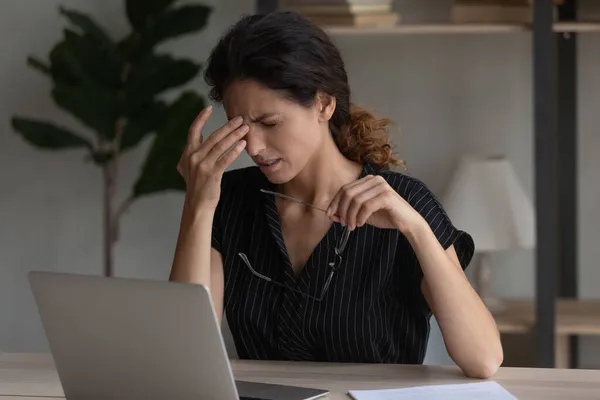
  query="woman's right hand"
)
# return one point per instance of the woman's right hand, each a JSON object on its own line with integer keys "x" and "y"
{"x": 203, "y": 162}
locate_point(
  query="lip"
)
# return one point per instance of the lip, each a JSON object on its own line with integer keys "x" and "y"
{"x": 269, "y": 165}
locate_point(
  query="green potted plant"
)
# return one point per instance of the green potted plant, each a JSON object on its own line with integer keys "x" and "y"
{"x": 114, "y": 87}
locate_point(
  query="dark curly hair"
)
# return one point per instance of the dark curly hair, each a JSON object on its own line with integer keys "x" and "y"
{"x": 285, "y": 51}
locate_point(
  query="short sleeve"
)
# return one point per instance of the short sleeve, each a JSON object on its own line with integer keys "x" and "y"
{"x": 426, "y": 204}
{"x": 219, "y": 220}
{"x": 234, "y": 185}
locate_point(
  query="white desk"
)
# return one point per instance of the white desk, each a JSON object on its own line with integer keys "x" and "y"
{"x": 27, "y": 376}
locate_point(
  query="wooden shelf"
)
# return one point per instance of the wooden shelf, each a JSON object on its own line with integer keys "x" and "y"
{"x": 516, "y": 323}
{"x": 449, "y": 28}
{"x": 578, "y": 27}
{"x": 573, "y": 317}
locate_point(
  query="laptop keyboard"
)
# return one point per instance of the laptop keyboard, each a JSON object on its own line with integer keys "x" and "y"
{"x": 252, "y": 398}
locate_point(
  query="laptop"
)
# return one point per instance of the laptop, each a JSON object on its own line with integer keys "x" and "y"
{"x": 124, "y": 338}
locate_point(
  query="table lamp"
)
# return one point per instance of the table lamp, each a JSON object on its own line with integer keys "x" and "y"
{"x": 485, "y": 199}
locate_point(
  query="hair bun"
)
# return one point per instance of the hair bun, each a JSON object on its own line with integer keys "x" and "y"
{"x": 366, "y": 139}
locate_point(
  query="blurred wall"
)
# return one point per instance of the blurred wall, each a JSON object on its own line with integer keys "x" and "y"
{"x": 467, "y": 94}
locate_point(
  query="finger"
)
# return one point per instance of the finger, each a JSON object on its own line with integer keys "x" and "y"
{"x": 221, "y": 147}
{"x": 230, "y": 157}
{"x": 195, "y": 133}
{"x": 333, "y": 205}
{"x": 219, "y": 134}
{"x": 350, "y": 192}
{"x": 359, "y": 200}
{"x": 335, "y": 218}
{"x": 369, "y": 207}
{"x": 181, "y": 166}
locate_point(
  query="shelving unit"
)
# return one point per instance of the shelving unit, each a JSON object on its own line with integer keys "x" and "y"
{"x": 449, "y": 29}
{"x": 554, "y": 80}
{"x": 574, "y": 317}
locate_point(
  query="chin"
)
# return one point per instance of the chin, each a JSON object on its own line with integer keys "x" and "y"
{"x": 277, "y": 174}
{"x": 277, "y": 181}
{"x": 277, "y": 178}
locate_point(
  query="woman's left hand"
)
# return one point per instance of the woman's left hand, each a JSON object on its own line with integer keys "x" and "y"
{"x": 371, "y": 200}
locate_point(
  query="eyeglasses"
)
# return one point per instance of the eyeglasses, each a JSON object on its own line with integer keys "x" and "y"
{"x": 334, "y": 265}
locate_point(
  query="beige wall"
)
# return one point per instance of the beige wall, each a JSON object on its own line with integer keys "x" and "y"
{"x": 465, "y": 95}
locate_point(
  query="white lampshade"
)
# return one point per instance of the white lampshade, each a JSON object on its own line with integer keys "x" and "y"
{"x": 485, "y": 199}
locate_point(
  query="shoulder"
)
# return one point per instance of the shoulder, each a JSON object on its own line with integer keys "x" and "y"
{"x": 424, "y": 201}
{"x": 238, "y": 180}
{"x": 411, "y": 189}
{"x": 241, "y": 174}
{"x": 239, "y": 186}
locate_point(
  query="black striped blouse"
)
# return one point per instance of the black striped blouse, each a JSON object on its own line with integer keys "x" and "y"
{"x": 373, "y": 310}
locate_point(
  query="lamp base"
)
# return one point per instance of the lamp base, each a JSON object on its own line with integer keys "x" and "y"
{"x": 483, "y": 286}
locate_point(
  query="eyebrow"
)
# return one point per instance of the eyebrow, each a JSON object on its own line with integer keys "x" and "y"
{"x": 261, "y": 117}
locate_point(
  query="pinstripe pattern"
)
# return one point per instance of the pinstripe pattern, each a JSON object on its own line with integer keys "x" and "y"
{"x": 373, "y": 312}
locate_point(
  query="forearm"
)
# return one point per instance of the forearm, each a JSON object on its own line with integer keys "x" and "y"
{"x": 193, "y": 251}
{"x": 469, "y": 330}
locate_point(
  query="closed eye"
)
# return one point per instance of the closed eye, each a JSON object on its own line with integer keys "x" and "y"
{"x": 269, "y": 124}
{"x": 267, "y": 119}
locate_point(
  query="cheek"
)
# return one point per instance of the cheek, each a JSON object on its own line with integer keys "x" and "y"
{"x": 303, "y": 136}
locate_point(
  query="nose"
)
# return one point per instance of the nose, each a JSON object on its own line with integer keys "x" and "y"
{"x": 255, "y": 142}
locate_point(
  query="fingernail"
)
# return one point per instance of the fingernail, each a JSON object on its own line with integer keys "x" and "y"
{"x": 237, "y": 120}
{"x": 244, "y": 128}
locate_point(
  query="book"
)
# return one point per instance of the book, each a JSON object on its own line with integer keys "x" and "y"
{"x": 337, "y": 9}
{"x": 356, "y": 20}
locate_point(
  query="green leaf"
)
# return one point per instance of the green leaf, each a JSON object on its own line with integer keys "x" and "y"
{"x": 39, "y": 65}
{"x": 159, "y": 172}
{"x": 174, "y": 23}
{"x": 95, "y": 52}
{"x": 60, "y": 64}
{"x": 158, "y": 73}
{"x": 74, "y": 67}
{"x": 77, "y": 92}
{"x": 93, "y": 110}
{"x": 48, "y": 136}
{"x": 98, "y": 62}
{"x": 140, "y": 124}
{"x": 141, "y": 13}
{"x": 127, "y": 46}
{"x": 86, "y": 24}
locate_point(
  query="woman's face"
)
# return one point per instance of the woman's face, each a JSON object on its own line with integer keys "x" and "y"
{"x": 283, "y": 135}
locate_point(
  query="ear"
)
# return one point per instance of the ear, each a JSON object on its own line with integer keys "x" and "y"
{"x": 325, "y": 106}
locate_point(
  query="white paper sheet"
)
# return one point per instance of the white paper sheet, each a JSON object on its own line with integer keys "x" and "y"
{"x": 488, "y": 390}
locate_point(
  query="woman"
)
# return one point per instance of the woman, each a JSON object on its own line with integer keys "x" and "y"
{"x": 320, "y": 251}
